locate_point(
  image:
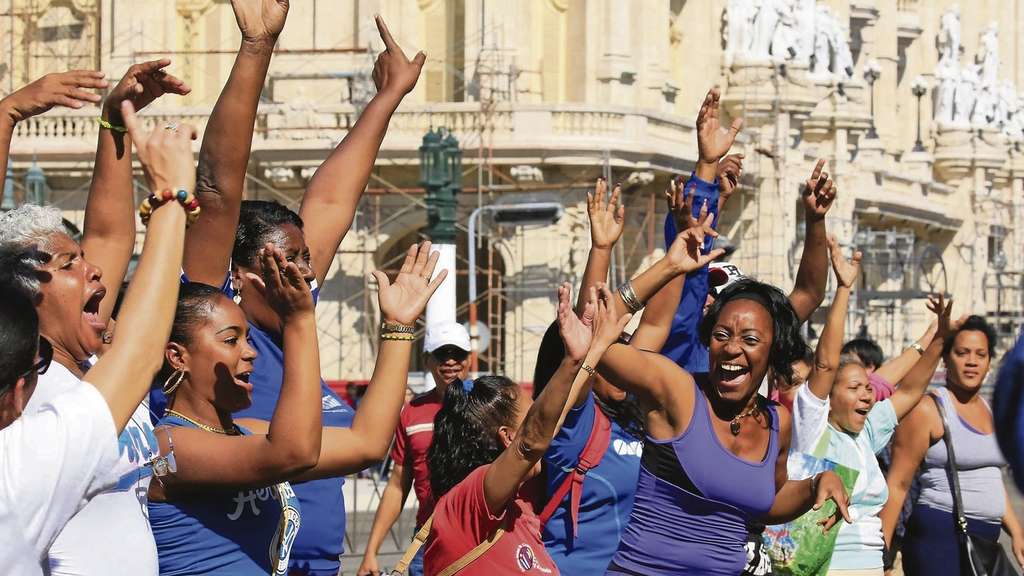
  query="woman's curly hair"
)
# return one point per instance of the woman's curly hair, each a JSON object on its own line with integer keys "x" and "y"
{"x": 466, "y": 430}
{"x": 788, "y": 345}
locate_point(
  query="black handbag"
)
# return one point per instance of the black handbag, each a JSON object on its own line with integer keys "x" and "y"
{"x": 978, "y": 556}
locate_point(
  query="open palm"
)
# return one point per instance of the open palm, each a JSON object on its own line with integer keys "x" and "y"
{"x": 607, "y": 218}
{"x": 846, "y": 270}
{"x": 576, "y": 331}
{"x": 260, "y": 19}
{"x": 684, "y": 255}
{"x": 404, "y": 300}
{"x": 714, "y": 140}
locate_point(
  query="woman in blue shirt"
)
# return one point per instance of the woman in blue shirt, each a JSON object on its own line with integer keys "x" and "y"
{"x": 224, "y": 506}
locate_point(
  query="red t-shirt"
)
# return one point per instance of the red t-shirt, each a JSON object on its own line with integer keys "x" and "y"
{"x": 413, "y": 436}
{"x": 462, "y": 521}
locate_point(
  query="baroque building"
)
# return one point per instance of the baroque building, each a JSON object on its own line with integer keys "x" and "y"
{"x": 914, "y": 103}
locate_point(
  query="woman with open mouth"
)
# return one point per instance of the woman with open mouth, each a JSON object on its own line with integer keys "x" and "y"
{"x": 931, "y": 544}
{"x": 838, "y": 409}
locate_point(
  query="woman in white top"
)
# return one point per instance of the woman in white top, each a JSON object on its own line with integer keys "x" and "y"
{"x": 837, "y": 417}
{"x": 55, "y": 458}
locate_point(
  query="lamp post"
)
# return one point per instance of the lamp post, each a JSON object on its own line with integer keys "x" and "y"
{"x": 872, "y": 70}
{"x": 441, "y": 177}
{"x": 533, "y": 213}
{"x": 35, "y": 185}
{"x": 8, "y": 203}
{"x": 919, "y": 88}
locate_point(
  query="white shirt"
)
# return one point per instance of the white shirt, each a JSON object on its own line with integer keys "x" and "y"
{"x": 51, "y": 464}
{"x": 110, "y": 536}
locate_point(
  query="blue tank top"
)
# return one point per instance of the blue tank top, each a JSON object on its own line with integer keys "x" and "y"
{"x": 231, "y": 533}
{"x": 699, "y": 528}
{"x": 606, "y": 498}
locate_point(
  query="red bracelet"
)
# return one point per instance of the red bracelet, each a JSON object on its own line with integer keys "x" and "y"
{"x": 187, "y": 199}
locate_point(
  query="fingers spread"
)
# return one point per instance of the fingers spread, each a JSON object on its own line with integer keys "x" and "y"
{"x": 410, "y": 259}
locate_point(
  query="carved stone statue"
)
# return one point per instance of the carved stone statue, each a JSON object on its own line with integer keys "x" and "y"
{"x": 784, "y": 40}
{"x": 821, "y": 61}
{"x": 949, "y": 36}
{"x": 966, "y": 95}
{"x": 988, "y": 56}
{"x": 985, "y": 101}
{"x": 804, "y": 12}
{"x": 765, "y": 26}
{"x": 843, "y": 66}
{"x": 948, "y": 77}
{"x": 740, "y": 16}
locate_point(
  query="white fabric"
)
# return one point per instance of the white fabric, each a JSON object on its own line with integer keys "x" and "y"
{"x": 110, "y": 536}
{"x": 51, "y": 461}
{"x": 446, "y": 334}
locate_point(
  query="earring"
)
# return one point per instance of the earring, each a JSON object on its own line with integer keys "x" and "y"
{"x": 237, "y": 292}
{"x": 177, "y": 376}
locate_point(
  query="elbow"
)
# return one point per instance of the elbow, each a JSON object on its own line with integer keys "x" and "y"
{"x": 532, "y": 443}
{"x": 300, "y": 459}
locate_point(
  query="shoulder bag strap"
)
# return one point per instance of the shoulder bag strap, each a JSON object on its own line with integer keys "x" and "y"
{"x": 951, "y": 470}
{"x": 478, "y": 551}
{"x": 590, "y": 457}
{"x": 417, "y": 542}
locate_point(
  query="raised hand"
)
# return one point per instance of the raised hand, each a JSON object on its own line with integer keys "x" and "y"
{"x": 393, "y": 72}
{"x": 576, "y": 331}
{"x": 943, "y": 308}
{"x": 830, "y": 487}
{"x": 684, "y": 255}
{"x": 141, "y": 85}
{"x": 165, "y": 153}
{"x": 404, "y": 300}
{"x": 819, "y": 193}
{"x": 260, "y": 20}
{"x": 608, "y": 325}
{"x": 846, "y": 270}
{"x": 281, "y": 283}
{"x": 606, "y": 218}
{"x": 714, "y": 140}
{"x": 729, "y": 171}
{"x": 680, "y": 206}
{"x": 69, "y": 89}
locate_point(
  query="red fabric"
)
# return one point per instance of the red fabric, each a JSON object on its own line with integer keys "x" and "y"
{"x": 413, "y": 436}
{"x": 883, "y": 389}
{"x": 590, "y": 457}
{"x": 462, "y": 521}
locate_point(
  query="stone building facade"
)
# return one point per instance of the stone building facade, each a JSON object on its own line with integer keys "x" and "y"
{"x": 544, "y": 96}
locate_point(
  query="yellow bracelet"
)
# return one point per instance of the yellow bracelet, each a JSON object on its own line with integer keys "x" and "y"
{"x": 109, "y": 126}
{"x": 400, "y": 336}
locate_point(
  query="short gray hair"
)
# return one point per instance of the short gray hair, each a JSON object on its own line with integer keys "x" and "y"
{"x": 30, "y": 224}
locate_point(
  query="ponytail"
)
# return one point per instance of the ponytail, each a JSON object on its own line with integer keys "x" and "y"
{"x": 466, "y": 429}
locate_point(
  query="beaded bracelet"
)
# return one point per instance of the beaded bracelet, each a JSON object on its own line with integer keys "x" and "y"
{"x": 109, "y": 126}
{"x": 399, "y": 336}
{"x": 184, "y": 197}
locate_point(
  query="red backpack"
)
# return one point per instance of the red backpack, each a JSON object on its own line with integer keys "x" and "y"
{"x": 590, "y": 457}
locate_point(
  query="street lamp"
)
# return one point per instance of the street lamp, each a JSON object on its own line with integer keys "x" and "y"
{"x": 35, "y": 185}
{"x": 872, "y": 70}
{"x": 918, "y": 89}
{"x": 527, "y": 214}
{"x": 8, "y": 203}
{"x": 441, "y": 177}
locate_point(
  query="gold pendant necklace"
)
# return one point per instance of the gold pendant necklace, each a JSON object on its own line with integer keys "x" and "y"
{"x": 198, "y": 424}
{"x": 734, "y": 426}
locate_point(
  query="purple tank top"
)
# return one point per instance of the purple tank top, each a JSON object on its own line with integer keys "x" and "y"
{"x": 676, "y": 531}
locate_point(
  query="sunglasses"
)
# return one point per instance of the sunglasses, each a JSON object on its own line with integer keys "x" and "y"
{"x": 449, "y": 352}
{"x": 44, "y": 357}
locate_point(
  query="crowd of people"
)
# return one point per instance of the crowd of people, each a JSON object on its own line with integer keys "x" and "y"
{"x": 184, "y": 427}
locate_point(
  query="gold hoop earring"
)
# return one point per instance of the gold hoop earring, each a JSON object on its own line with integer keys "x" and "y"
{"x": 177, "y": 376}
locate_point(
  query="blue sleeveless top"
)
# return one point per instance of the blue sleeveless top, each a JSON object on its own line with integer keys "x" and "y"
{"x": 693, "y": 501}
{"x": 231, "y": 533}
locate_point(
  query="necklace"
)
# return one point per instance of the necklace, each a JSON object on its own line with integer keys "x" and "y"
{"x": 734, "y": 426}
{"x": 206, "y": 427}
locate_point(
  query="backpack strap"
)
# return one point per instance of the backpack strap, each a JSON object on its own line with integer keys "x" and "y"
{"x": 417, "y": 542}
{"x": 590, "y": 457}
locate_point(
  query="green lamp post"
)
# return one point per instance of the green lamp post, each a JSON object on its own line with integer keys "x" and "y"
{"x": 440, "y": 175}
{"x": 35, "y": 185}
{"x": 8, "y": 202}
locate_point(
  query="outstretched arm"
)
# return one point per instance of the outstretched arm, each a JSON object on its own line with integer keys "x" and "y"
{"x": 390, "y": 508}
{"x": 830, "y": 345}
{"x": 329, "y": 204}
{"x": 227, "y": 142}
{"x": 895, "y": 369}
{"x": 67, "y": 89}
{"x": 124, "y": 373}
{"x": 109, "y": 232}
{"x": 606, "y": 222}
{"x": 915, "y": 383}
{"x": 909, "y": 444}
{"x": 812, "y": 275}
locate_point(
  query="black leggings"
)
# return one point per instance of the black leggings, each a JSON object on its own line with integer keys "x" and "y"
{"x": 930, "y": 545}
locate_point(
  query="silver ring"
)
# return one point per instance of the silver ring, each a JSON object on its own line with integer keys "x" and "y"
{"x": 172, "y": 126}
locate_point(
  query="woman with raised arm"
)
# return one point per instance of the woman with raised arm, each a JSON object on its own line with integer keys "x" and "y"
{"x": 931, "y": 543}
{"x": 489, "y": 441}
{"x": 67, "y": 448}
{"x": 838, "y": 407}
{"x": 222, "y": 248}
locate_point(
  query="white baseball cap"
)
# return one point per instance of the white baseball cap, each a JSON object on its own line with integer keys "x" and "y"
{"x": 721, "y": 275}
{"x": 448, "y": 334}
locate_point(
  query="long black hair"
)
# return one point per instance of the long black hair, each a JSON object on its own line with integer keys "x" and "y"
{"x": 19, "y": 323}
{"x": 466, "y": 430}
{"x": 788, "y": 345}
{"x": 626, "y": 413}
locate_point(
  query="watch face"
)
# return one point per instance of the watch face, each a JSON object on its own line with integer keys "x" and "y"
{"x": 160, "y": 467}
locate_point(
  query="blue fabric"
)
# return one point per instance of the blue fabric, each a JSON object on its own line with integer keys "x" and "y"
{"x": 416, "y": 566}
{"x": 683, "y": 345}
{"x": 319, "y": 546}
{"x": 228, "y": 533}
{"x": 1007, "y": 406}
{"x": 931, "y": 545}
{"x": 607, "y": 496}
